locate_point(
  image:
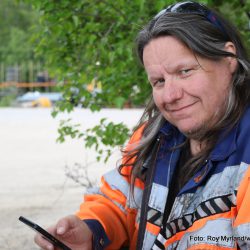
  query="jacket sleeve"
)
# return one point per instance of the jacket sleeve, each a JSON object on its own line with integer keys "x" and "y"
{"x": 242, "y": 220}
{"x": 100, "y": 239}
{"x": 110, "y": 206}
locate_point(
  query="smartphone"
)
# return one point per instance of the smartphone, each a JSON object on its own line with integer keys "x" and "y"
{"x": 44, "y": 233}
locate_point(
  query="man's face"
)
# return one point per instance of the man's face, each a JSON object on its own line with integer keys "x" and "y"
{"x": 190, "y": 91}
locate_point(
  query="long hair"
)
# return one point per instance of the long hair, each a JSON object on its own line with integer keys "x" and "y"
{"x": 206, "y": 40}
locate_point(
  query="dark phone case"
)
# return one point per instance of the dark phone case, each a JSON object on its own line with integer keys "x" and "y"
{"x": 44, "y": 233}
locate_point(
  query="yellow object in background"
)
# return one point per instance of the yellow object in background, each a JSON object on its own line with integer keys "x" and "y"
{"x": 42, "y": 102}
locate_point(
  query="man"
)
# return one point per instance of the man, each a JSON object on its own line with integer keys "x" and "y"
{"x": 184, "y": 179}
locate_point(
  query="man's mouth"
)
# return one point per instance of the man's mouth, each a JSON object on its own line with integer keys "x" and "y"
{"x": 178, "y": 109}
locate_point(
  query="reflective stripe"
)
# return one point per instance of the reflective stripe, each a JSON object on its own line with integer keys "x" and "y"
{"x": 148, "y": 241}
{"x": 220, "y": 184}
{"x": 162, "y": 239}
{"x": 117, "y": 182}
{"x": 119, "y": 205}
{"x": 209, "y": 206}
{"x": 181, "y": 224}
{"x": 201, "y": 212}
{"x": 214, "y": 232}
{"x": 219, "y": 202}
{"x": 138, "y": 216}
{"x": 187, "y": 221}
{"x": 174, "y": 228}
{"x": 242, "y": 234}
{"x": 225, "y": 184}
{"x": 95, "y": 190}
{"x": 156, "y": 248}
{"x": 155, "y": 217}
{"x": 158, "y": 197}
{"x": 160, "y": 245}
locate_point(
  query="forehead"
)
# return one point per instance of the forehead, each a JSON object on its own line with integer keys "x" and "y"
{"x": 168, "y": 51}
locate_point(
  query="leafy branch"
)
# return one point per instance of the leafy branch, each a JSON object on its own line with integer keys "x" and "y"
{"x": 102, "y": 137}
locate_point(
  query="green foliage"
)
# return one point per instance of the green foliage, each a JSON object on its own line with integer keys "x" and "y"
{"x": 67, "y": 129}
{"x": 7, "y": 96}
{"x": 6, "y": 101}
{"x": 84, "y": 40}
{"x": 236, "y": 12}
{"x": 15, "y": 31}
{"x": 106, "y": 133}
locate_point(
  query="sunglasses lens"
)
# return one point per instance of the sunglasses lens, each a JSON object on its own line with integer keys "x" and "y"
{"x": 186, "y": 7}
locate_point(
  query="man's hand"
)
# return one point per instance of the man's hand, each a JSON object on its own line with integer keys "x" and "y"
{"x": 70, "y": 230}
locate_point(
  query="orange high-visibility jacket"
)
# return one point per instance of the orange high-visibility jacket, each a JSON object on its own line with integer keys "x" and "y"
{"x": 211, "y": 212}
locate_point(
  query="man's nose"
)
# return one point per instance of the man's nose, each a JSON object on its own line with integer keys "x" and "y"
{"x": 172, "y": 90}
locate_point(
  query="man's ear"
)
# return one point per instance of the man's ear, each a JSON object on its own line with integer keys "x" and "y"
{"x": 232, "y": 61}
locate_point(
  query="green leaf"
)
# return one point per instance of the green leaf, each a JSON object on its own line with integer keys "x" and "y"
{"x": 119, "y": 102}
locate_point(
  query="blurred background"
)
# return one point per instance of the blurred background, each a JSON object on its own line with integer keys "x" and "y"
{"x": 71, "y": 91}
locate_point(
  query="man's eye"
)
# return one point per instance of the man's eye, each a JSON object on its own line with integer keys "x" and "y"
{"x": 185, "y": 72}
{"x": 158, "y": 82}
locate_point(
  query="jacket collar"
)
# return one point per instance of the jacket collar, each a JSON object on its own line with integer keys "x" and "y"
{"x": 225, "y": 146}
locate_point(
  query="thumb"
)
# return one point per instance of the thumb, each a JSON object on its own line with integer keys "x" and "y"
{"x": 64, "y": 224}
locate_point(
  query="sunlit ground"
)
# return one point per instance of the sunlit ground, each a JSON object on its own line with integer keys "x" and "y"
{"x": 33, "y": 181}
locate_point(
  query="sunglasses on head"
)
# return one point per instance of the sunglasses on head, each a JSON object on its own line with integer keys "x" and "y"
{"x": 193, "y": 8}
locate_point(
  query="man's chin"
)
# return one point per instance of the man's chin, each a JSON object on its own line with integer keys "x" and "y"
{"x": 195, "y": 133}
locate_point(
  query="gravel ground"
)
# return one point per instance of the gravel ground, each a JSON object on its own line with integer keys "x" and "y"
{"x": 33, "y": 182}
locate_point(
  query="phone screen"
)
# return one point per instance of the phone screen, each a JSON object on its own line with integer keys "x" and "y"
{"x": 44, "y": 233}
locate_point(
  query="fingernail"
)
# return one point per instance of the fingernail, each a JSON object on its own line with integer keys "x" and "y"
{"x": 60, "y": 230}
{"x": 50, "y": 247}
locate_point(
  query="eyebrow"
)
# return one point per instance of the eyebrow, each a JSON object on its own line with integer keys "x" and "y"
{"x": 173, "y": 68}
{"x": 153, "y": 78}
{"x": 180, "y": 65}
